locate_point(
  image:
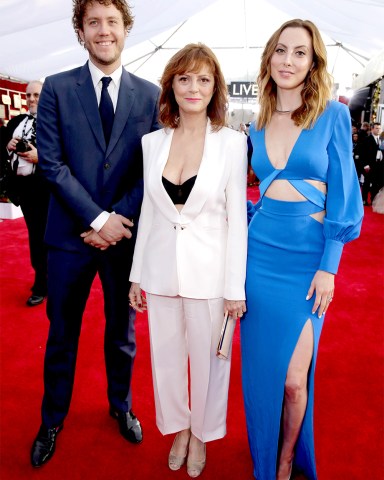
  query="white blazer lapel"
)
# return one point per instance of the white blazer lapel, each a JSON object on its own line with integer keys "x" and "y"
{"x": 207, "y": 175}
{"x": 158, "y": 193}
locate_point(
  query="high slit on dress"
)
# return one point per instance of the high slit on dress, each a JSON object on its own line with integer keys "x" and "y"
{"x": 286, "y": 246}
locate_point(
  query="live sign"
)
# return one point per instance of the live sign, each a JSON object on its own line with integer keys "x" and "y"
{"x": 243, "y": 89}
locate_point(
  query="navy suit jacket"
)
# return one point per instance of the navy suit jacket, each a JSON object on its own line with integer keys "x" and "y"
{"x": 87, "y": 177}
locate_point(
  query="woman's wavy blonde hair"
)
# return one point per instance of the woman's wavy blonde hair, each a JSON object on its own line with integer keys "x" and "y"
{"x": 317, "y": 85}
{"x": 192, "y": 58}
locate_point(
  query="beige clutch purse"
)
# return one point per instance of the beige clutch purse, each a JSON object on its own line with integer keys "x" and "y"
{"x": 226, "y": 336}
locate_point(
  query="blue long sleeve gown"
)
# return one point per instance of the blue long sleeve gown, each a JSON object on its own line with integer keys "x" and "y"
{"x": 286, "y": 246}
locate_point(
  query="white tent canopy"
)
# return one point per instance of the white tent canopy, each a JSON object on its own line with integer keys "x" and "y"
{"x": 373, "y": 70}
{"x": 37, "y": 37}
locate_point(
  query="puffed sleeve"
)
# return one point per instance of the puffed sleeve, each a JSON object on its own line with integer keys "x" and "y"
{"x": 344, "y": 207}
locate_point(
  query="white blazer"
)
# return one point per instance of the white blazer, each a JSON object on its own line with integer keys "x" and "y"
{"x": 199, "y": 252}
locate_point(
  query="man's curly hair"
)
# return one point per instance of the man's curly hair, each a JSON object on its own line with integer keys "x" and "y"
{"x": 80, "y": 6}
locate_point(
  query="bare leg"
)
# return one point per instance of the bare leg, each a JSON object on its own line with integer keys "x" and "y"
{"x": 295, "y": 399}
{"x": 179, "y": 449}
{"x": 181, "y": 442}
{"x": 196, "y": 457}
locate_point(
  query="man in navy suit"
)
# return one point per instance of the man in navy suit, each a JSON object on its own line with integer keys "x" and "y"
{"x": 89, "y": 143}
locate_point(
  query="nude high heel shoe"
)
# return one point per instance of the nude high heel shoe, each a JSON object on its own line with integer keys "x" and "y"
{"x": 175, "y": 462}
{"x": 195, "y": 467}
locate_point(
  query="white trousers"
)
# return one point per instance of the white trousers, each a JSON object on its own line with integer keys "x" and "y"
{"x": 181, "y": 329}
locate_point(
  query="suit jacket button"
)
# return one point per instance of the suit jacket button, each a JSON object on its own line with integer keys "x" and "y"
{"x": 107, "y": 165}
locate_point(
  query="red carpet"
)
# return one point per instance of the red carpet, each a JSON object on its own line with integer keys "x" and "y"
{"x": 349, "y": 408}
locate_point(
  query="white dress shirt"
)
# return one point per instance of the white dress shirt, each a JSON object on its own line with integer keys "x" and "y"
{"x": 25, "y": 130}
{"x": 379, "y": 154}
{"x": 113, "y": 90}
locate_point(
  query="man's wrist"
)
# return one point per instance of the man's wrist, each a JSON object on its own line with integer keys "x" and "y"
{"x": 100, "y": 221}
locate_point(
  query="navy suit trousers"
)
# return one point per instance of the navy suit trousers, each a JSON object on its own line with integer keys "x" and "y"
{"x": 70, "y": 277}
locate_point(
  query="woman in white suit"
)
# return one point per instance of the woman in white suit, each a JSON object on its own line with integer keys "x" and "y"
{"x": 190, "y": 252}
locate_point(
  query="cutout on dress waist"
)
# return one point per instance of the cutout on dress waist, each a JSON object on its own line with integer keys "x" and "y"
{"x": 319, "y": 216}
{"x": 294, "y": 191}
{"x": 283, "y": 189}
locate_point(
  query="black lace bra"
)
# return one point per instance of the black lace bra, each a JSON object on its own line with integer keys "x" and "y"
{"x": 179, "y": 193}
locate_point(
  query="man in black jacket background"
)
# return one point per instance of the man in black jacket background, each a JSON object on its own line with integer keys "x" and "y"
{"x": 28, "y": 188}
{"x": 373, "y": 164}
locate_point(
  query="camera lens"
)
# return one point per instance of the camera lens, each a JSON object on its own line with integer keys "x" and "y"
{"x": 22, "y": 146}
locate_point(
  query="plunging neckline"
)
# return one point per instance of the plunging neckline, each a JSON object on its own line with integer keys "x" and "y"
{"x": 201, "y": 177}
{"x": 290, "y": 153}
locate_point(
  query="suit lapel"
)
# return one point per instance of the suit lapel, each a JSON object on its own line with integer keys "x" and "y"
{"x": 163, "y": 201}
{"x": 87, "y": 96}
{"x": 207, "y": 174}
{"x": 123, "y": 109}
{"x": 88, "y": 100}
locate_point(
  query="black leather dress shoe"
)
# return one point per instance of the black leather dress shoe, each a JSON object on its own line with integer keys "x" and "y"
{"x": 34, "y": 300}
{"x": 129, "y": 425}
{"x": 44, "y": 445}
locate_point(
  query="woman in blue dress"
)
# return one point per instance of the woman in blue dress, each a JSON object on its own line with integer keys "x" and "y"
{"x": 310, "y": 206}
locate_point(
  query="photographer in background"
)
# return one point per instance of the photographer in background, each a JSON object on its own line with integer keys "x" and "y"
{"x": 28, "y": 188}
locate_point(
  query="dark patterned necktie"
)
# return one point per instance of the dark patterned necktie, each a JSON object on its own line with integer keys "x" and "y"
{"x": 107, "y": 113}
